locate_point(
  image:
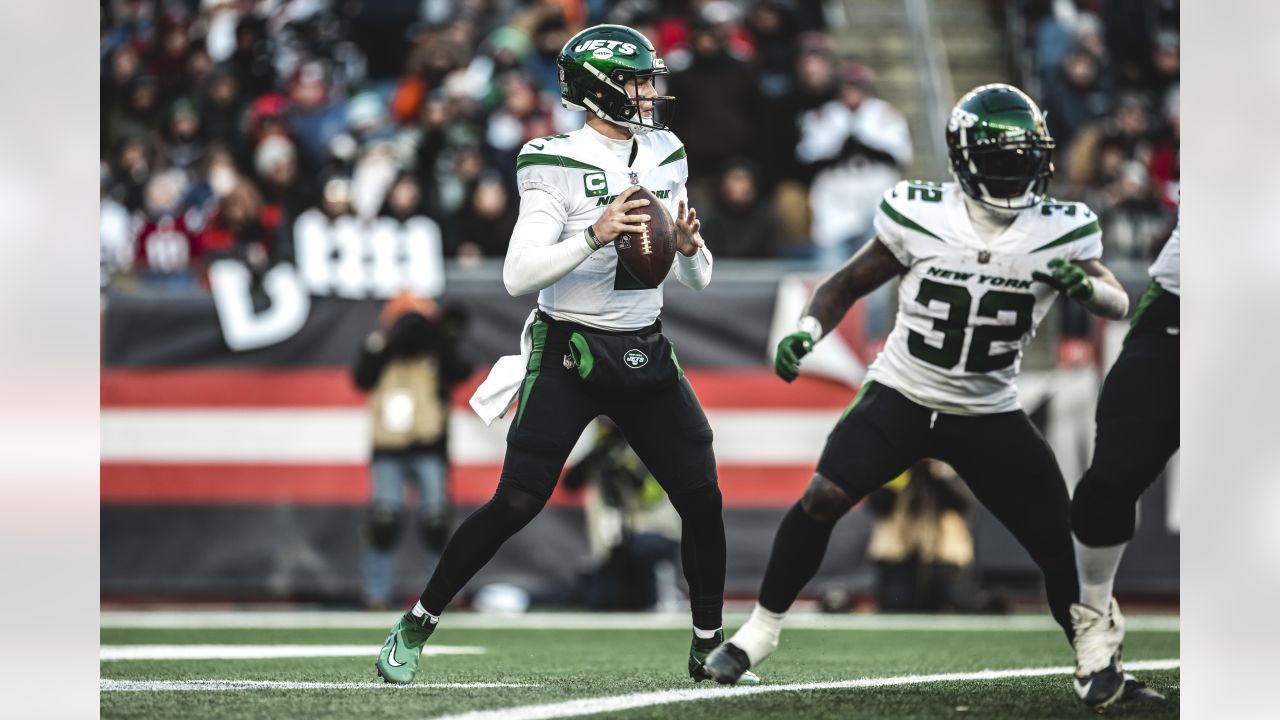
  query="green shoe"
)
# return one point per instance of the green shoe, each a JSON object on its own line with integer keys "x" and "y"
{"x": 698, "y": 652}
{"x": 398, "y": 661}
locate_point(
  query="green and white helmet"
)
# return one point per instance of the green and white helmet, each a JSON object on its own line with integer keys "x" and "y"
{"x": 1000, "y": 150}
{"x": 595, "y": 67}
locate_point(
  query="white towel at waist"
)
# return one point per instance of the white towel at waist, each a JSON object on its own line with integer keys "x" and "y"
{"x": 494, "y": 396}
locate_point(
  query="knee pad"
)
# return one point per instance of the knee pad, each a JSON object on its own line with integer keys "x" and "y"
{"x": 516, "y": 503}
{"x": 698, "y": 504}
{"x": 384, "y": 526}
{"x": 434, "y": 530}
{"x": 1102, "y": 513}
{"x": 825, "y": 501}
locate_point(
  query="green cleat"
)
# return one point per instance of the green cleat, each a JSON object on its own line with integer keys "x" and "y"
{"x": 398, "y": 660}
{"x": 698, "y": 652}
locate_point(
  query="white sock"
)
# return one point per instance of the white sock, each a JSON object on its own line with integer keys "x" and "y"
{"x": 705, "y": 634}
{"x": 1096, "y": 567}
{"x": 758, "y": 637}
{"x": 418, "y": 611}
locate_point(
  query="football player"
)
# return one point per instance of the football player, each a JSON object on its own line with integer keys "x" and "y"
{"x": 1137, "y": 434}
{"x": 981, "y": 260}
{"x": 574, "y": 191}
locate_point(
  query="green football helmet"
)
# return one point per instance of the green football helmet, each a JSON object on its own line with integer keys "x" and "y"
{"x": 1000, "y": 150}
{"x": 595, "y": 67}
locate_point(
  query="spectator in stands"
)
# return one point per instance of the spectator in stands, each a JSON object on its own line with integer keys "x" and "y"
{"x": 184, "y": 144}
{"x": 165, "y": 246}
{"x": 409, "y": 365}
{"x": 718, "y": 102}
{"x": 783, "y": 176}
{"x": 1093, "y": 158}
{"x": 525, "y": 115}
{"x": 284, "y": 194}
{"x": 135, "y": 158}
{"x": 746, "y": 225}
{"x": 222, "y": 108}
{"x": 1075, "y": 95}
{"x": 482, "y": 228}
{"x": 771, "y": 27}
{"x": 1135, "y": 218}
{"x": 855, "y": 146}
{"x": 313, "y": 116}
{"x": 236, "y": 229}
{"x": 139, "y": 114}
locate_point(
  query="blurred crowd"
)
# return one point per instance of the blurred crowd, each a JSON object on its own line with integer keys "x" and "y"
{"x": 225, "y": 121}
{"x": 1107, "y": 74}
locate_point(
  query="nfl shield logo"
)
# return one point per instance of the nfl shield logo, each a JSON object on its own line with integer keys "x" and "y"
{"x": 984, "y": 257}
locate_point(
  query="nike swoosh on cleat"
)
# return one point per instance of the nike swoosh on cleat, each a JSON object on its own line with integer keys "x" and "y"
{"x": 538, "y": 147}
{"x": 391, "y": 656}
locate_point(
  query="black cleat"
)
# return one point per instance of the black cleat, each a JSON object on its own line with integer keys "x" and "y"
{"x": 1136, "y": 691}
{"x": 727, "y": 664}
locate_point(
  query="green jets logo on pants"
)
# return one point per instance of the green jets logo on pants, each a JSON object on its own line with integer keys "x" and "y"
{"x": 596, "y": 184}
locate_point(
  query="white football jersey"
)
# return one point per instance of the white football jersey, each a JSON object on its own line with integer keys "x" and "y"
{"x": 1167, "y": 269}
{"x": 585, "y": 177}
{"x": 967, "y": 305}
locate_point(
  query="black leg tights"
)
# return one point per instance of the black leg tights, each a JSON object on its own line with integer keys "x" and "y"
{"x": 702, "y": 553}
{"x": 477, "y": 540}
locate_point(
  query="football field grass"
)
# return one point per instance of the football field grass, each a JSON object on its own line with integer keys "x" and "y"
{"x": 315, "y": 666}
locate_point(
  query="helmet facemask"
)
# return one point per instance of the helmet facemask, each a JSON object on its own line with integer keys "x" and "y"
{"x": 620, "y": 102}
{"x": 1009, "y": 175}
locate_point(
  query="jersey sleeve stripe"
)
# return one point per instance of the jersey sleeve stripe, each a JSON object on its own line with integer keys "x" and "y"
{"x": 903, "y": 220}
{"x": 1080, "y": 232}
{"x": 677, "y": 155}
{"x": 556, "y": 160}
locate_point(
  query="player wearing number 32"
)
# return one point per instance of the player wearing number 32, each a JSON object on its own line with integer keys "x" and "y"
{"x": 981, "y": 260}
{"x": 595, "y": 344}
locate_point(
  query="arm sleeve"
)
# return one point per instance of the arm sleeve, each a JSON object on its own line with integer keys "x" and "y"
{"x": 888, "y": 227}
{"x": 536, "y": 258}
{"x": 694, "y": 271}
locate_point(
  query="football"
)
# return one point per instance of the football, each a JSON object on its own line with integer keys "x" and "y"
{"x": 648, "y": 255}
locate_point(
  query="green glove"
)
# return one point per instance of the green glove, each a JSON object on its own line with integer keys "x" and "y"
{"x": 1067, "y": 278}
{"x": 792, "y": 347}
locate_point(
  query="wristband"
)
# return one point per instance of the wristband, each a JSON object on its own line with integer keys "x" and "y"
{"x": 591, "y": 238}
{"x": 810, "y": 324}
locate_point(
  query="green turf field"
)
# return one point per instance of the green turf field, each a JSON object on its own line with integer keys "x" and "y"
{"x": 623, "y": 671}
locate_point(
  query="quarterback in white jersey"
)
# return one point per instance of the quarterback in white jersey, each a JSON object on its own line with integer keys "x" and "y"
{"x": 980, "y": 261}
{"x": 597, "y": 346}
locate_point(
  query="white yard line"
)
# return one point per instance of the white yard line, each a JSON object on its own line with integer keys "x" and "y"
{"x": 592, "y": 706}
{"x": 190, "y": 619}
{"x": 106, "y": 685}
{"x": 257, "y": 652}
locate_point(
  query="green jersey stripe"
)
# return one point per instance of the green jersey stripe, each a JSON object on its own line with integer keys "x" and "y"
{"x": 556, "y": 160}
{"x": 539, "y": 335}
{"x": 903, "y": 220}
{"x": 1082, "y": 231}
{"x": 677, "y": 155}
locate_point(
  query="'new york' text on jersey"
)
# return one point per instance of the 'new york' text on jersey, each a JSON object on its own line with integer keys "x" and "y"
{"x": 967, "y": 305}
